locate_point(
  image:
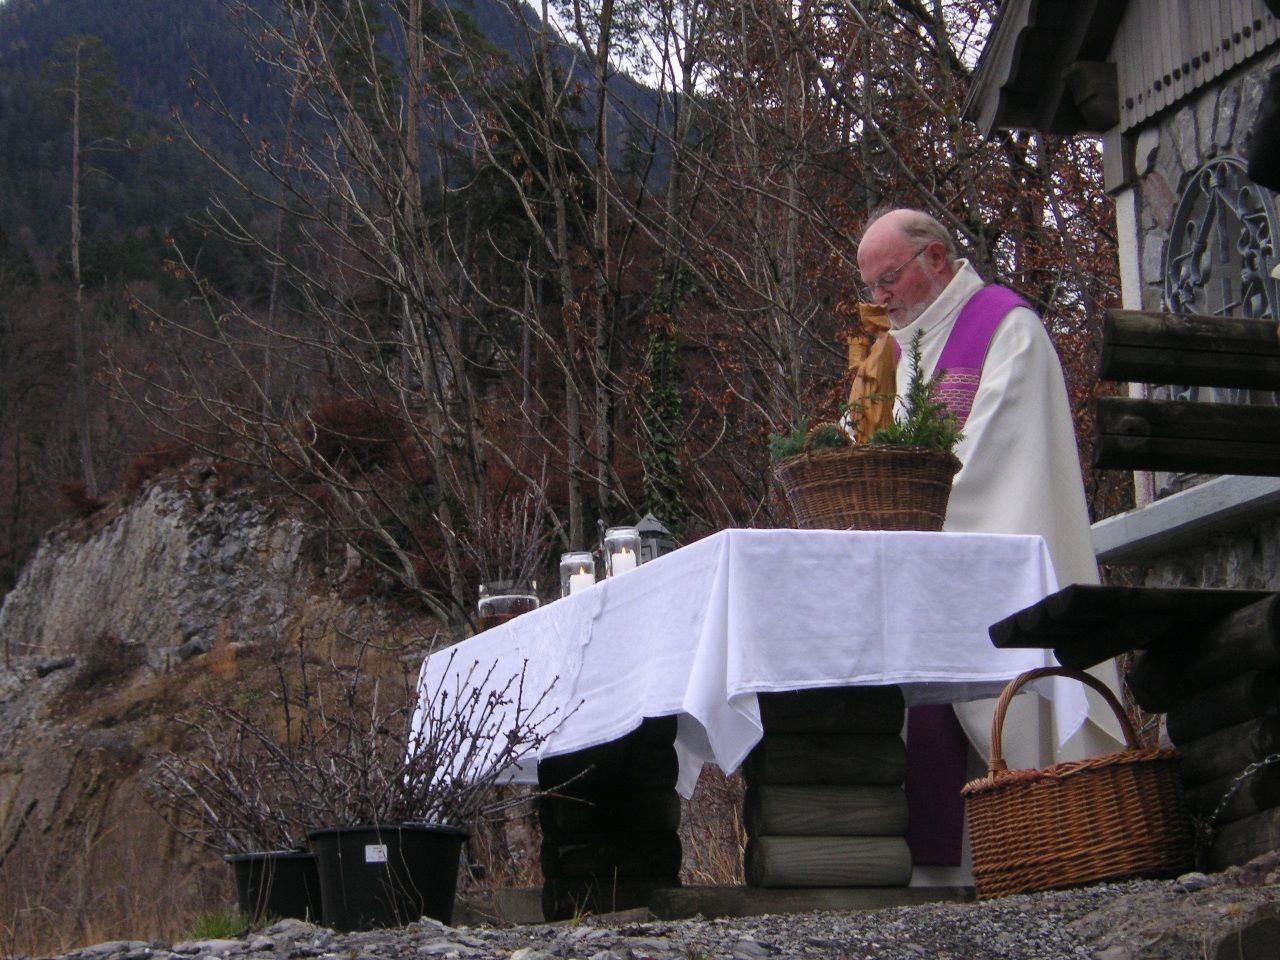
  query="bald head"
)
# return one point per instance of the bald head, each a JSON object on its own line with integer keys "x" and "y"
{"x": 906, "y": 258}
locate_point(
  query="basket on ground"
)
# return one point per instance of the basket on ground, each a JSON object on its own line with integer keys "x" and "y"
{"x": 1115, "y": 817}
{"x": 869, "y": 487}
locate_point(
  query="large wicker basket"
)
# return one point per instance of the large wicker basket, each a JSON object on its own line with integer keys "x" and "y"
{"x": 869, "y": 487}
{"x": 1106, "y": 818}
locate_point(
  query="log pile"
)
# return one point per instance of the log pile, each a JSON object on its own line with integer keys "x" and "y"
{"x": 1183, "y": 435}
{"x": 1221, "y": 694}
{"x": 825, "y": 805}
{"x": 610, "y": 828}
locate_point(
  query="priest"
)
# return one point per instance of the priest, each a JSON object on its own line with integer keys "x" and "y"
{"x": 1020, "y": 466}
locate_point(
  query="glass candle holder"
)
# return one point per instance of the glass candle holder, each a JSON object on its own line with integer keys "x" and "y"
{"x": 577, "y": 572}
{"x": 621, "y": 550}
{"x": 500, "y": 600}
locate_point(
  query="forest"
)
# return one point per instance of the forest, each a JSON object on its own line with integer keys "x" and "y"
{"x": 459, "y": 281}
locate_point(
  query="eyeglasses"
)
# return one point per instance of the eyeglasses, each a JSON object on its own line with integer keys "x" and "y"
{"x": 887, "y": 280}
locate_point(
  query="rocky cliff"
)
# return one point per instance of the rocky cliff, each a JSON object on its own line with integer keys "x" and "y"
{"x": 118, "y": 624}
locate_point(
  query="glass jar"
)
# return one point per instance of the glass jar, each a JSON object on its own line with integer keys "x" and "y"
{"x": 500, "y": 600}
{"x": 621, "y": 550}
{"x": 577, "y": 572}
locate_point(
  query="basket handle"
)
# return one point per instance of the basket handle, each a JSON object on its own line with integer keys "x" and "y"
{"x": 995, "y": 763}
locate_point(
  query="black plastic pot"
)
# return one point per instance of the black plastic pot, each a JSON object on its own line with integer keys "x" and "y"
{"x": 277, "y": 883}
{"x": 387, "y": 875}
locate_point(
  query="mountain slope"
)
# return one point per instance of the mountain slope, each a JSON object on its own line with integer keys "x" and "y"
{"x": 156, "y": 45}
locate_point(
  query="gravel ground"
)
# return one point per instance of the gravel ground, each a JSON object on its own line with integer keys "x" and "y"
{"x": 1233, "y": 915}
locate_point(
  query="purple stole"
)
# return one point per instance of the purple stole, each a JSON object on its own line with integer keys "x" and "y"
{"x": 966, "y": 347}
{"x": 937, "y": 749}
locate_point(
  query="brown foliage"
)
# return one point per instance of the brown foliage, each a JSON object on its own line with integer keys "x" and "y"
{"x": 163, "y": 458}
{"x": 76, "y": 499}
{"x": 355, "y": 433}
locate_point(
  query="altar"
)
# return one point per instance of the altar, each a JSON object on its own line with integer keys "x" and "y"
{"x": 698, "y": 633}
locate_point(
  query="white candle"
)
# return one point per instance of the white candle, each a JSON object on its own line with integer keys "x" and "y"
{"x": 622, "y": 562}
{"x": 581, "y": 580}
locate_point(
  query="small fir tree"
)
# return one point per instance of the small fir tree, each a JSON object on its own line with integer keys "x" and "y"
{"x": 928, "y": 421}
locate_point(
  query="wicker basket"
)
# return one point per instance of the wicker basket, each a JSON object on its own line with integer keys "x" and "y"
{"x": 869, "y": 487}
{"x": 1106, "y": 818}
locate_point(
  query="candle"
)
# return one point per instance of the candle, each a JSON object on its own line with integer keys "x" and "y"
{"x": 622, "y": 547}
{"x": 622, "y": 562}
{"x": 581, "y": 580}
{"x": 577, "y": 572}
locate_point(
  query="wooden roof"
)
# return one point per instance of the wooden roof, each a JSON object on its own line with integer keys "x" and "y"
{"x": 1021, "y": 80}
{"x": 1085, "y": 66}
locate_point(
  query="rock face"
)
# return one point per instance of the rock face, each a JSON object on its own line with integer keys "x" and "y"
{"x": 169, "y": 573}
{"x": 118, "y": 625}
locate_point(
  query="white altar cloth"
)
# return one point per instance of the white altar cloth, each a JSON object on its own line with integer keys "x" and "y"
{"x": 697, "y": 633}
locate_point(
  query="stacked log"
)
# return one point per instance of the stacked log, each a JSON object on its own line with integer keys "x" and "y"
{"x": 610, "y": 826}
{"x": 1221, "y": 692}
{"x": 825, "y": 805}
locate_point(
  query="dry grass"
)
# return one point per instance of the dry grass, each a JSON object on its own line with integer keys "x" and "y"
{"x": 502, "y": 851}
{"x": 48, "y": 906}
{"x": 711, "y": 831}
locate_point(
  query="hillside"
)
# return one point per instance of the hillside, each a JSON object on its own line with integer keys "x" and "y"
{"x": 157, "y": 178}
{"x": 154, "y": 50}
{"x": 160, "y": 178}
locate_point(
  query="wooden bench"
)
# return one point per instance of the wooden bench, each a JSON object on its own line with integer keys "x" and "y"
{"x": 1207, "y": 658}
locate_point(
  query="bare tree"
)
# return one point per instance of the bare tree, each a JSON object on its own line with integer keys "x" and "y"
{"x": 526, "y": 269}
{"x": 82, "y": 75}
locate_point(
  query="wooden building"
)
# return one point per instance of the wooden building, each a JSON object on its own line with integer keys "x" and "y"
{"x": 1171, "y": 88}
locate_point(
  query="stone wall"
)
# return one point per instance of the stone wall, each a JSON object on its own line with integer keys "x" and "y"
{"x": 1213, "y": 123}
{"x": 1246, "y": 559}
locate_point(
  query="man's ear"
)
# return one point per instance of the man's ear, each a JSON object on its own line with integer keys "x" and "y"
{"x": 935, "y": 255}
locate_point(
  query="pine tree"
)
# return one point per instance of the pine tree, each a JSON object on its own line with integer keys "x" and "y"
{"x": 82, "y": 80}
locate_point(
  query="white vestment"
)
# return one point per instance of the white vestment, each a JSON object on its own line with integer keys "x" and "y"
{"x": 1020, "y": 474}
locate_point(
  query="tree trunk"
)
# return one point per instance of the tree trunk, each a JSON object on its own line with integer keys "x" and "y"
{"x": 603, "y": 307}
{"x": 77, "y": 327}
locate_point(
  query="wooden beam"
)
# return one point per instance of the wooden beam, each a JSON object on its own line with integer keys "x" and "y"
{"x": 1252, "y": 795}
{"x": 848, "y": 759}
{"x": 1197, "y": 350}
{"x": 827, "y": 862}
{"x": 1248, "y": 639}
{"x": 1255, "y": 693}
{"x": 1245, "y": 839}
{"x": 611, "y": 855}
{"x": 643, "y": 758}
{"x": 833, "y": 710}
{"x": 1226, "y": 752}
{"x": 799, "y": 811}
{"x": 1086, "y": 624}
{"x": 598, "y": 772}
{"x": 1094, "y": 89}
{"x": 1186, "y": 436}
{"x": 641, "y": 809}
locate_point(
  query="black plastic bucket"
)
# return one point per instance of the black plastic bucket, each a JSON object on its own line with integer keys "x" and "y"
{"x": 387, "y": 875}
{"x": 277, "y": 883}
